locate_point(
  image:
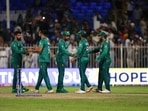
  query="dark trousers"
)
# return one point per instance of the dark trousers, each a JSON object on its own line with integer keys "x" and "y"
{"x": 61, "y": 70}
{"x": 82, "y": 68}
{"x": 43, "y": 74}
{"x": 104, "y": 75}
{"x": 17, "y": 73}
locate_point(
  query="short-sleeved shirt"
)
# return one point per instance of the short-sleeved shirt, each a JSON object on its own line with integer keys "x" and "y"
{"x": 44, "y": 55}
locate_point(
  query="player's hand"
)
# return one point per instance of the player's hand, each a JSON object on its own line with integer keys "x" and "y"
{"x": 29, "y": 50}
{"x": 35, "y": 47}
{"x": 73, "y": 55}
{"x": 73, "y": 59}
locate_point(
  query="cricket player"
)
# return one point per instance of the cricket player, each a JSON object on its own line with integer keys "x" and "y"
{"x": 104, "y": 61}
{"x": 18, "y": 50}
{"x": 83, "y": 60}
{"x": 44, "y": 58}
{"x": 61, "y": 59}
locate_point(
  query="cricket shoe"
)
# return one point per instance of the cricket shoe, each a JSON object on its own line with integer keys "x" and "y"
{"x": 61, "y": 91}
{"x": 49, "y": 91}
{"x": 97, "y": 91}
{"x": 25, "y": 89}
{"x": 35, "y": 91}
{"x": 106, "y": 91}
{"x": 89, "y": 89}
{"x": 80, "y": 92}
{"x": 14, "y": 91}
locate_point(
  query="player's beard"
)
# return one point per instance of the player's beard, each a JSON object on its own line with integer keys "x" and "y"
{"x": 19, "y": 39}
{"x": 101, "y": 39}
{"x": 66, "y": 39}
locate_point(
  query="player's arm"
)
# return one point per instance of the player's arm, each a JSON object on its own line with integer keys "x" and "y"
{"x": 17, "y": 50}
{"x": 79, "y": 49}
{"x": 62, "y": 48}
{"x": 104, "y": 52}
{"x": 94, "y": 50}
{"x": 37, "y": 49}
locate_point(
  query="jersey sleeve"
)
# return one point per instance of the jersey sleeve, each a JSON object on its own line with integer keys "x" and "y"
{"x": 41, "y": 44}
{"x": 104, "y": 52}
{"x": 79, "y": 50}
{"x": 17, "y": 50}
{"x": 94, "y": 50}
{"x": 63, "y": 49}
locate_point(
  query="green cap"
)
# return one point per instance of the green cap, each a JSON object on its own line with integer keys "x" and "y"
{"x": 103, "y": 33}
{"x": 82, "y": 32}
{"x": 66, "y": 33}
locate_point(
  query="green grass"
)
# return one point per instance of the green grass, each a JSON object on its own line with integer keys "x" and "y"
{"x": 122, "y": 98}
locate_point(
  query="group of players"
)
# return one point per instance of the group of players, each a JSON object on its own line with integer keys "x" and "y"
{"x": 82, "y": 56}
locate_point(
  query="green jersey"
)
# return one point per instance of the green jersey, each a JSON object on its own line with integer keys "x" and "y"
{"x": 62, "y": 51}
{"x": 44, "y": 55}
{"x": 104, "y": 51}
{"x": 82, "y": 50}
{"x": 18, "y": 50}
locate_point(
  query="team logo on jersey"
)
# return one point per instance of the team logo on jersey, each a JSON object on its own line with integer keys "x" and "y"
{"x": 105, "y": 46}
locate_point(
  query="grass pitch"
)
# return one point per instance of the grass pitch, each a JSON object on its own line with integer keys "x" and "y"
{"x": 122, "y": 98}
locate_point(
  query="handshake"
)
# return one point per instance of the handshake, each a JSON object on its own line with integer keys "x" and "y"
{"x": 31, "y": 49}
{"x": 74, "y": 57}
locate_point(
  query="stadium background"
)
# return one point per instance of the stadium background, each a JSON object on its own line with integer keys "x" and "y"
{"x": 127, "y": 28}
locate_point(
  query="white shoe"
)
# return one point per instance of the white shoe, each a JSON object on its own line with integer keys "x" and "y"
{"x": 36, "y": 91}
{"x": 89, "y": 89}
{"x": 106, "y": 91}
{"x": 80, "y": 92}
{"x": 97, "y": 91}
{"x": 50, "y": 91}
